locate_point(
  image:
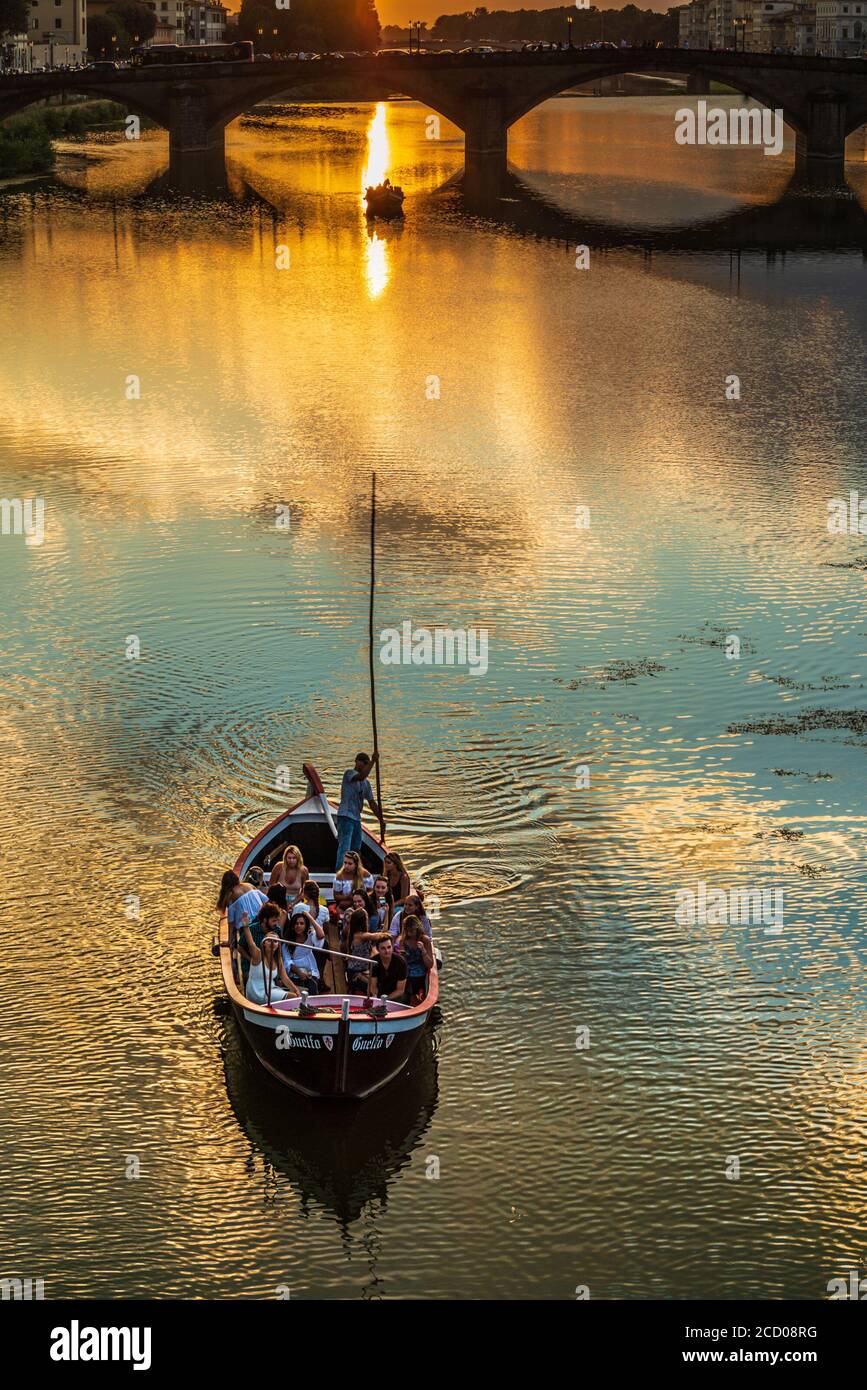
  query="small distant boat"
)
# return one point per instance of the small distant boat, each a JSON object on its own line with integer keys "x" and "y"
{"x": 385, "y": 200}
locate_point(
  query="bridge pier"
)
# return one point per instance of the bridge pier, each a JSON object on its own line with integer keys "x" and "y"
{"x": 486, "y": 143}
{"x": 820, "y": 151}
{"x": 190, "y": 130}
{"x": 697, "y": 85}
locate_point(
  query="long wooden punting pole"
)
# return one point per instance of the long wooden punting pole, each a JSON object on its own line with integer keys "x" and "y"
{"x": 370, "y": 634}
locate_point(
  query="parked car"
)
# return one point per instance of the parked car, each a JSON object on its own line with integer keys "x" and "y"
{"x": 103, "y": 65}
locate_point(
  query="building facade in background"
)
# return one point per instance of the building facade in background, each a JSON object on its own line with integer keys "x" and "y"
{"x": 171, "y": 20}
{"x": 56, "y": 34}
{"x": 836, "y": 28}
{"x": 206, "y": 23}
{"x": 841, "y": 28}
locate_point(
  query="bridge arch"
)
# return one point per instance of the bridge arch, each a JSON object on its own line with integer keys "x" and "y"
{"x": 415, "y": 85}
{"x": 13, "y": 104}
{"x": 560, "y": 81}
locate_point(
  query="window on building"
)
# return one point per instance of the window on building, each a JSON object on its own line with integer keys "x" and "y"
{"x": 58, "y": 23}
{"x": 36, "y": 24}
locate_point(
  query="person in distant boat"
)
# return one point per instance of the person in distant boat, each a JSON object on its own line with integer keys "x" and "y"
{"x": 414, "y": 907}
{"x": 387, "y": 978}
{"x": 238, "y": 899}
{"x": 358, "y": 945}
{"x": 414, "y": 948}
{"x": 396, "y": 877}
{"x": 299, "y": 958}
{"x": 268, "y": 981}
{"x": 291, "y": 873}
{"x": 351, "y": 878}
{"x": 355, "y": 789}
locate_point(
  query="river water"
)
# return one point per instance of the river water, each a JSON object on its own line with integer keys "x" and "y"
{"x": 674, "y": 696}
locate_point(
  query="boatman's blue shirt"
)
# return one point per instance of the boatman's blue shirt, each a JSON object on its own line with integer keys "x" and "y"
{"x": 353, "y": 794}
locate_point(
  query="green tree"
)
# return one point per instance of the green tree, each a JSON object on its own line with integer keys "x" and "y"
{"x": 13, "y": 16}
{"x": 136, "y": 18}
{"x": 318, "y": 25}
{"x": 101, "y": 28}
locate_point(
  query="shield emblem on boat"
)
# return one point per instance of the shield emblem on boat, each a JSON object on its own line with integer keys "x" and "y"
{"x": 389, "y": 1039}
{"x": 329, "y": 1042}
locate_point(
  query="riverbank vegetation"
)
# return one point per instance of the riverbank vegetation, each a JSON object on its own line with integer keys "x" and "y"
{"x": 26, "y": 141}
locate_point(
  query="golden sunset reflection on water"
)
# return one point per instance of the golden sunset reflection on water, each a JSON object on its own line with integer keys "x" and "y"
{"x": 375, "y": 170}
{"x": 264, "y": 388}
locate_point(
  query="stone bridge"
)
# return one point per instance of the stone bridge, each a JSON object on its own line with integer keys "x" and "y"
{"x": 822, "y": 99}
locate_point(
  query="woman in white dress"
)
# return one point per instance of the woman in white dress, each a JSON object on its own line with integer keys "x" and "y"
{"x": 268, "y": 981}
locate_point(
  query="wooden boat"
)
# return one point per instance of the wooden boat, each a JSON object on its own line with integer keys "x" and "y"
{"x": 339, "y": 1045}
{"x": 384, "y": 201}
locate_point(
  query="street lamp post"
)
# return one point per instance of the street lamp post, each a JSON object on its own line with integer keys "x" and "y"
{"x": 569, "y": 29}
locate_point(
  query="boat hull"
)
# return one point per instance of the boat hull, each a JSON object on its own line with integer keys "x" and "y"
{"x": 333, "y": 1058}
{"x": 385, "y": 206}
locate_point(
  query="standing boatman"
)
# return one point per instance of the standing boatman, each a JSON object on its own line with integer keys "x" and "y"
{"x": 354, "y": 791}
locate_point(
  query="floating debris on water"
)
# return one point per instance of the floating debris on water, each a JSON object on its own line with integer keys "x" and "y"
{"x": 714, "y": 635}
{"x": 711, "y": 829}
{"x": 783, "y": 834}
{"x": 809, "y": 721}
{"x": 858, "y": 564}
{"x": 825, "y": 683}
{"x": 811, "y": 776}
{"x": 615, "y": 671}
{"x": 811, "y": 870}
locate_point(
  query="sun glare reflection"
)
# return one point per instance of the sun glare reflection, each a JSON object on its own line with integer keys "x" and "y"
{"x": 377, "y": 268}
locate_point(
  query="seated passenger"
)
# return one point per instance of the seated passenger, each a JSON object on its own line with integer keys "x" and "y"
{"x": 350, "y": 879}
{"x": 415, "y": 908}
{"x": 238, "y": 900}
{"x": 298, "y": 957}
{"x": 256, "y": 877}
{"x": 271, "y": 917}
{"x": 387, "y": 973}
{"x": 268, "y": 981}
{"x": 291, "y": 873}
{"x": 312, "y": 900}
{"x": 414, "y": 947}
{"x": 358, "y": 945}
{"x": 381, "y": 905}
{"x": 358, "y": 903}
{"x": 396, "y": 877}
{"x": 319, "y": 912}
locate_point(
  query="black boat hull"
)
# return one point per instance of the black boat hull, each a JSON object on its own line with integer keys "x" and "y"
{"x": 333, "y": 1058}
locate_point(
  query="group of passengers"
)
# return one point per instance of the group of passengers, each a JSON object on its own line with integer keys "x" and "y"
{"x": 279, "y": 928}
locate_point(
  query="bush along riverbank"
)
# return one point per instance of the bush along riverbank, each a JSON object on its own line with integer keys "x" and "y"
{"x": 25, "y": 140}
